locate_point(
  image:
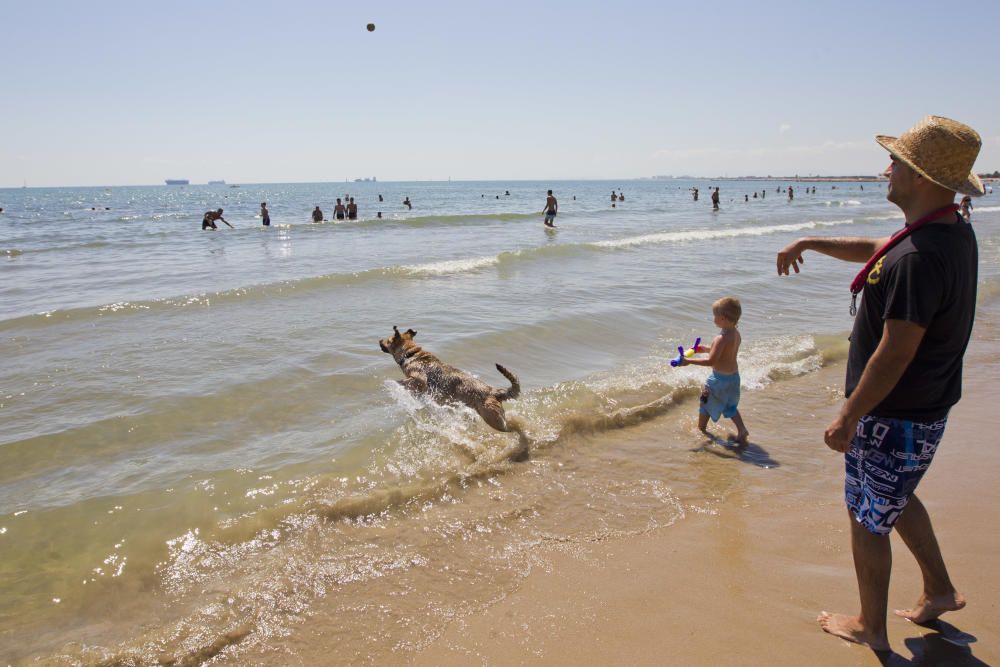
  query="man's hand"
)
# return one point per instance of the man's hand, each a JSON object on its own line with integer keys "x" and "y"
{"x": 839, "y": 433}
{"x": 790, "y": 256}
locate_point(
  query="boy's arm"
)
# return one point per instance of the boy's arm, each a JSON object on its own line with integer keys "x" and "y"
{"x": 714, "y": 351}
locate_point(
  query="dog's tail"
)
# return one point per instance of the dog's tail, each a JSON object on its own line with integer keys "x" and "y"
{"x": 515, "y": 386}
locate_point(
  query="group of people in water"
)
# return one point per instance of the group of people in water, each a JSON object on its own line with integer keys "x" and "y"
{"x": 349, "y": 210}
{"x": 345, "y": 209}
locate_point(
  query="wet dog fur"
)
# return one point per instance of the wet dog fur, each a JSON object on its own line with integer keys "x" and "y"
{"x": 424, "y": 372}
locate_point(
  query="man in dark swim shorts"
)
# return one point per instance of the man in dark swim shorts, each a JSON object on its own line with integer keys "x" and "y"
{"x": 904, "y": 368}
{"x": 551, "y": 209}
{"x": 339, "y": 210}
{"x": 208, "y": 220}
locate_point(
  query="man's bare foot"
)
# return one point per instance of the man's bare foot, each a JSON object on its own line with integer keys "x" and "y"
{"x": 930, "y": 608}
{"x": 850, "y": 628}
{"x": 742, "y": 439}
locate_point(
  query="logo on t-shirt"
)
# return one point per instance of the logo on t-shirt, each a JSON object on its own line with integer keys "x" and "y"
{"x": 875, "y": 274}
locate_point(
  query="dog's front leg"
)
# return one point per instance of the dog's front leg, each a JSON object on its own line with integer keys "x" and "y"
{"x": 416, "y": 383}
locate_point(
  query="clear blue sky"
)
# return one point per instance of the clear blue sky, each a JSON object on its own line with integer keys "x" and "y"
{"x": 133, "y": 92}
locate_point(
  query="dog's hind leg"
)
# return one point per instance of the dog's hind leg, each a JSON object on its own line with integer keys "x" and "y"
{"x": 492, "y": 413}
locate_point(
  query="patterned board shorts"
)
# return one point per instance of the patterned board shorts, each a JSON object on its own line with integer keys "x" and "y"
{"x": 885, "y": 461}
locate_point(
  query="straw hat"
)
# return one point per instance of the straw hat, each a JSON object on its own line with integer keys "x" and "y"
{"x": 941, "y": 150}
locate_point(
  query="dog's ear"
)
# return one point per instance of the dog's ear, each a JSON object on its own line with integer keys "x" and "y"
{"x": 395, "y": 330}
{"x": 411, "y": 332}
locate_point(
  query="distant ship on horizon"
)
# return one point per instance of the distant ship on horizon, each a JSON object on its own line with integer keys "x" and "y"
{"x": 216, "y": 182}
{"x": 366, "y": 180}
{"x": 178, "y": 181}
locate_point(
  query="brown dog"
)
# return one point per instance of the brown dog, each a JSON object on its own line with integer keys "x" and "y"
{"x": 425, "y": 372}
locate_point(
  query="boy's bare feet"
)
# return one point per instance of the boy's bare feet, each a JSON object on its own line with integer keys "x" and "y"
{"x": 850, "y": 628}
{"x": 930, "y": 608}
{"x": 742, "y": 439}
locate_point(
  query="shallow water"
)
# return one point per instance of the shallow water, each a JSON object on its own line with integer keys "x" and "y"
{"x": 202, "y": 445}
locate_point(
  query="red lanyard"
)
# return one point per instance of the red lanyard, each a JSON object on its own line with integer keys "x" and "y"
{"x": 859, "y": 280}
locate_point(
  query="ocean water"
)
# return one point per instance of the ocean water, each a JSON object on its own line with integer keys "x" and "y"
{"x": 203, "y": 450}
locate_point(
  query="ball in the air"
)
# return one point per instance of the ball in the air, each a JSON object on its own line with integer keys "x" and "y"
{"x": 371, "y": 27}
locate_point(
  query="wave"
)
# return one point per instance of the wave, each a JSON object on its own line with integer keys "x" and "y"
{"x": 438, "y": 449}
{"x": 843, "y": 202}
{"x": 705, "y": 235}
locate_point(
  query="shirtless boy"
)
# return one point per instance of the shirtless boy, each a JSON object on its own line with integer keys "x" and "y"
{"x": 721, "y": 395}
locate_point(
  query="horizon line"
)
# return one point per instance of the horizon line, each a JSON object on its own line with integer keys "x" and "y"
{"x": 842, "y": 177}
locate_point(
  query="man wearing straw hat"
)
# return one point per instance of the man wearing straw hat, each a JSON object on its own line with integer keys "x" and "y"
{"x": 904, "y": 369}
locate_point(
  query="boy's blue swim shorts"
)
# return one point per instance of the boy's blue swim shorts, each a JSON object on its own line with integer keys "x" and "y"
{"x": 721, "y": 396}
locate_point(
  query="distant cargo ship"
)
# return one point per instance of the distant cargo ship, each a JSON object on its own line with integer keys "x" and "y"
{"x": 178, "y": 181}
{"x": 216, "y": 182}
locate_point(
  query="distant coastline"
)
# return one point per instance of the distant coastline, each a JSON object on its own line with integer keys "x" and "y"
{"x": 808, "y": 179}
{"x": 986, "y": 178}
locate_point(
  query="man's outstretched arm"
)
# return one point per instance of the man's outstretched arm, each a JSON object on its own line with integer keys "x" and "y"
{"x": 847, "y": 248}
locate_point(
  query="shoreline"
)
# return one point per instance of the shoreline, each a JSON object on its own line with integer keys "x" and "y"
{"x": 744, "y": 584}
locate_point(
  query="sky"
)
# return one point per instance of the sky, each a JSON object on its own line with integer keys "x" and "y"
{"x": 135, "y": 92}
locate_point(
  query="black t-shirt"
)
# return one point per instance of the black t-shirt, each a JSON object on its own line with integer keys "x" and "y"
{"x": 929, "y": 279}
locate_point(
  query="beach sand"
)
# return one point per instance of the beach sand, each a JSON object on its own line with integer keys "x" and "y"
{"x": 743, "y": 585}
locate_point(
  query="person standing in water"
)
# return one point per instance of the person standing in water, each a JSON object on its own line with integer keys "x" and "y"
{"x": 265, "y": 215}
{"x": 551, "y": 209}
{"x": 965, "y": 208}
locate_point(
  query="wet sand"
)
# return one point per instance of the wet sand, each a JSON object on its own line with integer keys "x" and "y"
{"x": 742, "y": 585}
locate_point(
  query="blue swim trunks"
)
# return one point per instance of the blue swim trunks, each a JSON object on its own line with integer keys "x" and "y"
{"x": 885, "y": 461}
{"x": 720, "y": 396}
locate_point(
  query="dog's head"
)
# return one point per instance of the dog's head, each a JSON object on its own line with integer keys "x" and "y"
{"x": 397, "y": 342}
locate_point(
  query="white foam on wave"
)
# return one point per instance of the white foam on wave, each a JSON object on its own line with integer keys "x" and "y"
{"x": 984, "y": 209}
{"x": 704, "y": 235}
{"x": 848, "y": 202}
{"x": 448, "y": 266}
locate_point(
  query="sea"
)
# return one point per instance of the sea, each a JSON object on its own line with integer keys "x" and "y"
{"x": 206, "y": 458}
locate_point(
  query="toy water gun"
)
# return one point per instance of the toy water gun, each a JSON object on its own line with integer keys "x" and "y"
{"x": 682, "y": 354}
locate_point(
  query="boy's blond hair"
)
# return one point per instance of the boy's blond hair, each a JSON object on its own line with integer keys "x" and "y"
{"x": 729, "y": 307}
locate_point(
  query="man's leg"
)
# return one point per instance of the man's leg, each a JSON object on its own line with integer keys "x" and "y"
{"x": 939, "y": 596}
{"x": 872, "y": 565}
